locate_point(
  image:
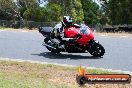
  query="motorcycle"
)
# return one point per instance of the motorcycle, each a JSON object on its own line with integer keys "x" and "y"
{"x": 76, "y": 40}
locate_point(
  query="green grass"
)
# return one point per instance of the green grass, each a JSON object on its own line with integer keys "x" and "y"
{"x": 98, "y": 71}
{"x": 2, "y": 27}
{"x": 28, "y": 75}
{"x": 20, "y": 82}
{"x": 5, "y": 28}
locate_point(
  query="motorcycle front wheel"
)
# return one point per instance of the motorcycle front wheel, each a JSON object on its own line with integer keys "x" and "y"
{"x": 97, "y": 50}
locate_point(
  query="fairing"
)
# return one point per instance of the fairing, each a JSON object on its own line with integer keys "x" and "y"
{"x": 84, "y": 31}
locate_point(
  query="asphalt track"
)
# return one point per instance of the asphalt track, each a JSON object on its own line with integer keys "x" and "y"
{"x": 28, "y": 46}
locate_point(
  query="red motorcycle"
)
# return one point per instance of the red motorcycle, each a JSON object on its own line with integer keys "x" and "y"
{"x": 76, "y": 40}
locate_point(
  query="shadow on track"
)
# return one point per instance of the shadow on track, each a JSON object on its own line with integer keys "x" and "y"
{"x": 65, "y": 56}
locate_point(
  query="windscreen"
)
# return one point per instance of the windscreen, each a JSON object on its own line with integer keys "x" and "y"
{"x": 84, "y": 29}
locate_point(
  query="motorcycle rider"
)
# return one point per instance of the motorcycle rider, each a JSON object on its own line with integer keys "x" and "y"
{"x": 66, "y": 22}
{"x": 59, "y": 29}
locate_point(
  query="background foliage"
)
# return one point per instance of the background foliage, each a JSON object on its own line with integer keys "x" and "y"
{"x": 108, "y": 12}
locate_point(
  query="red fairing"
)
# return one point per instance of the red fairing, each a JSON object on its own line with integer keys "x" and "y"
{"x": 72, "y": 32}
{"x": 86, "y": 38}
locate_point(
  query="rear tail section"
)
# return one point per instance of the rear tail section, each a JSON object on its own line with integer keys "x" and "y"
{"x": 45, "y": 31}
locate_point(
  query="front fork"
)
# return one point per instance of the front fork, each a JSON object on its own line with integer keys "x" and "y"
{"x": 94, "y": 41}
{"x": 91, "y": 43}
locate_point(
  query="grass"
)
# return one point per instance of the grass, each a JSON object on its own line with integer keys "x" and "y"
{"x": 5, "y": 28}
{"x": 33, "y": 75}
{"x": 26, "y": 75}
{"x": 20, "y": 29}
{"x": 2, "y": 27}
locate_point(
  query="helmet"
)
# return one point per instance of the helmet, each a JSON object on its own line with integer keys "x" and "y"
{"x": 67, "y": 21}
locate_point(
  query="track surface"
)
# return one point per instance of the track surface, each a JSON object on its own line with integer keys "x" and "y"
{"x": 28, "y": 46}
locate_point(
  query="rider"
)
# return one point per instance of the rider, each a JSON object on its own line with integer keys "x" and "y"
{"x": 65, "y": 23}
{"x": 60, "y": 27}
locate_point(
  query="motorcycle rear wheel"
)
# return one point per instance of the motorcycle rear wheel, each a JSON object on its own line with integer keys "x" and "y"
{"x": 50, "y": 49}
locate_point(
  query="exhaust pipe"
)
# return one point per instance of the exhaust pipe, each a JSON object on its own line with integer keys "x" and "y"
{"x": 48, "y": 46}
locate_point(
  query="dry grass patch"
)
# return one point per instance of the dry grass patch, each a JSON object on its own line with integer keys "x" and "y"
{"x": 33, "y": 75}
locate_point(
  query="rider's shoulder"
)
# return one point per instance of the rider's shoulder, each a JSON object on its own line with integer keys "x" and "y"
{"x": 58, "y": 24}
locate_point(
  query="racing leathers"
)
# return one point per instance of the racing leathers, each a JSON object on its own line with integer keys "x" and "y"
{"x": 59, "y": 32}
{"x": 60, "y": 27}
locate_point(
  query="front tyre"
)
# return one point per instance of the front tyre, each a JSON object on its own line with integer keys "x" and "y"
{"x": 97, "y": 50}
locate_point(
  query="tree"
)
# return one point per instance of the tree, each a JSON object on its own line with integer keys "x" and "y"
{"x": 70, "y": 7}
{"x": 8, "y": 7}
{"x": 11, "y": 9}
{"x": 91, "y": 11}
{"x": 29, "y": 10}
{"x": 16, "y": 8}
{"x": 55, "y": 11}
{"x": 28, "y": 3}
{"x": 77, "y": 11}
{"x": 39, "y": 14}
{"x": 120, "y": 11}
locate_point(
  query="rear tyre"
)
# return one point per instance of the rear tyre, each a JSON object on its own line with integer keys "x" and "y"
{"x": 52, "y": 50}
{"x": 97, "y": 50}
{"x": 48, "y": 42}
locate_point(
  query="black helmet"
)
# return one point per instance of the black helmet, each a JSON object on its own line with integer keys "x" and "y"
{"x": 67, "y": 21}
